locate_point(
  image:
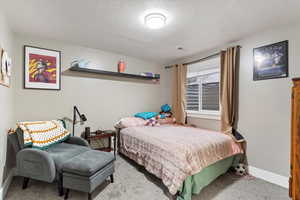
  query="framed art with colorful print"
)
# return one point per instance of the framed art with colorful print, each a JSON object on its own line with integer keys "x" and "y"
{"x": 42, "y": 68}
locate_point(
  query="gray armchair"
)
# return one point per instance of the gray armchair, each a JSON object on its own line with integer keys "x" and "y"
{"x": 45, "y": 165}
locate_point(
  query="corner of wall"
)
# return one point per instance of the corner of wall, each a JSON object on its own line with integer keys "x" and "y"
{"x": 7, "y": 111}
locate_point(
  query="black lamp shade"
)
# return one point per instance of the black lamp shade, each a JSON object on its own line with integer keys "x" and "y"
{"x": 83, "y": 117}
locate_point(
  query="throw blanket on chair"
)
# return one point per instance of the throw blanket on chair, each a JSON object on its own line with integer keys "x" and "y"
{"x": 42, "y": 134}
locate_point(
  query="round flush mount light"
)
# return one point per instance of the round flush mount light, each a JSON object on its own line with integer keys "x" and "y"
{"x": 155, "y": 20}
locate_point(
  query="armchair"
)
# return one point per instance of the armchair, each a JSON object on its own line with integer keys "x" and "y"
{"x": 45, "y": 165}
{"x": 36, "y": 164}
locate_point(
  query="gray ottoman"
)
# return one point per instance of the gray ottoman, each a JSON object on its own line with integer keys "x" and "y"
{"x": 87, "y": 171}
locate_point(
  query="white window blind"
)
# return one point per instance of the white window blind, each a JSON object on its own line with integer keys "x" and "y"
{"x": 203, "y": 85}
{"x": 193, "y": 97}
{"x": 210, "y": 96}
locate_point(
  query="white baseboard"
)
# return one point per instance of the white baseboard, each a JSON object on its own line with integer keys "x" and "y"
{"x": 6, "y": 184}
{"x": 271, "y": 177}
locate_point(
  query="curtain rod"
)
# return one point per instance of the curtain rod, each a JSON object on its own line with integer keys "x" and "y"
{"x": 199, "y": 60}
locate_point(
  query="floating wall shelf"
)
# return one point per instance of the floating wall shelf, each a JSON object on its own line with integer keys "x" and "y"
{"x": 115, "y": 74}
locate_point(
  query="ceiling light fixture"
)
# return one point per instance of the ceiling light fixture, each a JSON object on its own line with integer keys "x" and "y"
{"x": 155, "y": 20}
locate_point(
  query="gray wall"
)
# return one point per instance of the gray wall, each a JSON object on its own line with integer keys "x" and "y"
{"x": 6, "y": 100}
{"x": 103, "y": 101}
{"x": 264, "y": 106}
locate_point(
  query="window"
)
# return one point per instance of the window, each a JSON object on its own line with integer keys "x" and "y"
{"x": 203, "y": 85}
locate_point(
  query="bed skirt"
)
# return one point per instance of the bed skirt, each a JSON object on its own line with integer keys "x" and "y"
{"x": 195, "y": 183}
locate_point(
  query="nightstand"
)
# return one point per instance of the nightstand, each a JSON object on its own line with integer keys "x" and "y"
{"x": 100, "y": 136}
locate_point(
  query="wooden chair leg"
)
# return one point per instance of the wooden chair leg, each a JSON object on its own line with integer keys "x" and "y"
{"x": 89, "y": 196}
{"x": 67, "y": 194}
{"x": 112, "y": 178}
{"x": 25, "y": 183}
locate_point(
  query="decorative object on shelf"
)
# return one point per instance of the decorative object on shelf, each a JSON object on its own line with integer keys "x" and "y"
{"x": 101, "y": 140}
{"x": 5, "y": 68}
{"x": 115, "y": 74}
{"x": 149, "y": 74}
{"x": 271, "y": 61}
{"x": 42, "y": 68}
{"x": 81, "y": 116}
{"x": 121, "y": 66}
{"x": 80, "y": 63}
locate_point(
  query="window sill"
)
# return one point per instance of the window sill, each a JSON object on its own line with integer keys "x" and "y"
{"x": 204, "y": 115}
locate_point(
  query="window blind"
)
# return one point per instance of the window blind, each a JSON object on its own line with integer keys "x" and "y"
{"x": 210, "y": 96}
{"x": 192, "y": 97}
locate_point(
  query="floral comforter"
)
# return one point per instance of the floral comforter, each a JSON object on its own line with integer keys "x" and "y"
{"x": 173, "y": 153}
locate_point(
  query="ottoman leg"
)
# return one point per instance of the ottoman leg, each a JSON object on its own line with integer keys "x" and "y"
{"x": 112, "y": 178}
{"x": 25, "y": 183}
{"x": 89, "y": 196}
{"x": 67, "y": 194}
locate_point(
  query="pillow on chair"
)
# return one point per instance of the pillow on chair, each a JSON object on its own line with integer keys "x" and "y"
{"x": 20, "y": 136}
{"x": 13, "y": 140}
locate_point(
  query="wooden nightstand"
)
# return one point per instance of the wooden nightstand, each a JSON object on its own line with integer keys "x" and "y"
{"x": 102, "y": 135}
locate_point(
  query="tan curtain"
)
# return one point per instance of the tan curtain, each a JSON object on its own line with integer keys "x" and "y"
{"x": 178, "y": 93}
{"x": 229, "y": 88}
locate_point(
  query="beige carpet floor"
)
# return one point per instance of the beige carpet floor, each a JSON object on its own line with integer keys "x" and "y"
{"x": 134, "y": 183}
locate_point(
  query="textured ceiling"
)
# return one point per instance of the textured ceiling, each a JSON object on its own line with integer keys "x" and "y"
{"x": 115, "y": 25}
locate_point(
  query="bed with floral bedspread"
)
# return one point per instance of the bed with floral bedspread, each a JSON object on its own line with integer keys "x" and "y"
{"x": 175, "y": 153}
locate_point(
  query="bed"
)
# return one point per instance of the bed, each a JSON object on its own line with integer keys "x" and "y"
{"x": 186, "y": 159}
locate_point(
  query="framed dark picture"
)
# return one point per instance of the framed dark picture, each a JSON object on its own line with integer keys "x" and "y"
{"x": 42, "y": 68}
{"x": 271, "y": 61}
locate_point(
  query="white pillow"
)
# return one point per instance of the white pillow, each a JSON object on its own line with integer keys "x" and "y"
{"x": 130, "y": 122}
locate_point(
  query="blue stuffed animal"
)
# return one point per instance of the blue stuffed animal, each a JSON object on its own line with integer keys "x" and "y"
{"x": 166, "y": 111}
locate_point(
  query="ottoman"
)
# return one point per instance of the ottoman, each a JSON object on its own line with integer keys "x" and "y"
{"x": 87, "y": 171}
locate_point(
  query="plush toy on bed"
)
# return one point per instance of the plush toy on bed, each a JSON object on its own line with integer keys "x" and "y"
{"x": 152, "y": 122}
{"x": 155, "y": 119}
{"x": 165, "y": 111}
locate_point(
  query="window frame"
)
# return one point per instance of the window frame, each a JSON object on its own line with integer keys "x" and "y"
{"x": 206, "y": 114}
